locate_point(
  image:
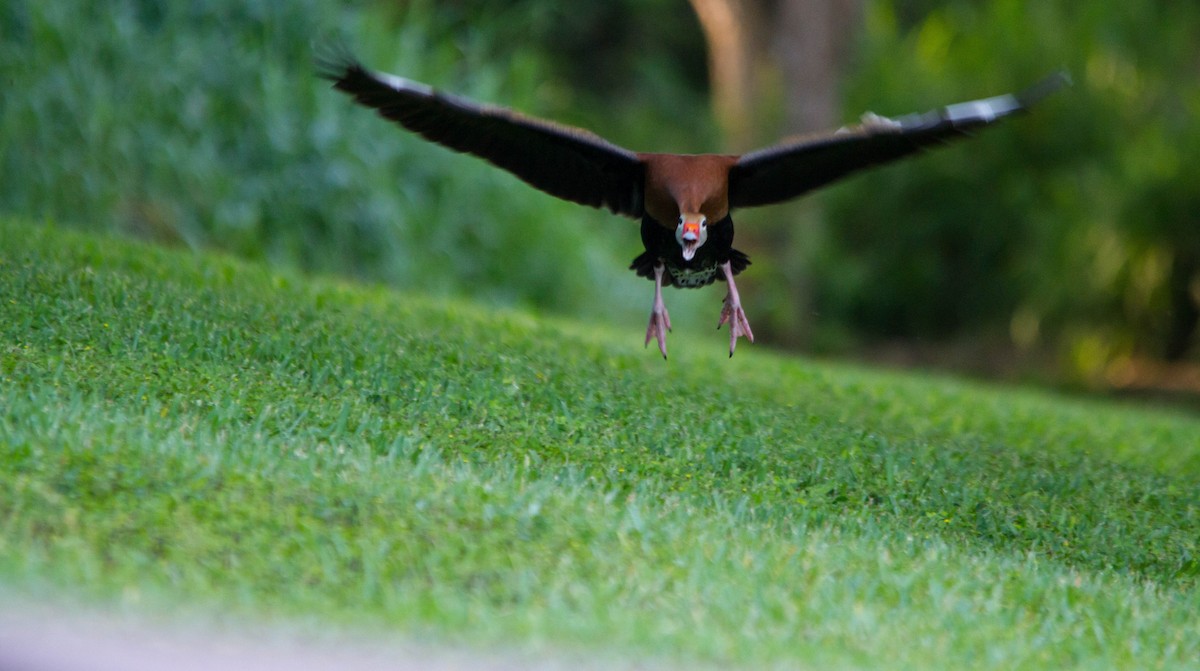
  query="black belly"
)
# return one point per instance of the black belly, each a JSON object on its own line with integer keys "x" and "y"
{"x": 703, "y": 269}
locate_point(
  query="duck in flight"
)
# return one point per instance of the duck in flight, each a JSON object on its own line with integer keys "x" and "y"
{"x": 684, "y": 201}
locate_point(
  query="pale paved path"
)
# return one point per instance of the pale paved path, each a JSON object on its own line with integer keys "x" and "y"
{"x": 40, "y": 639}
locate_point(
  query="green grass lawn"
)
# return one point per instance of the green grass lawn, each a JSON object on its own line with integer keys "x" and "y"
{"x": 183, "y": 430}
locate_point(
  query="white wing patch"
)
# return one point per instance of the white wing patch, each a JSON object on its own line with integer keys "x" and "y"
{"x": 876, "y": 122}
{"x": 986, "y": 110}
{"x": 402, "y": 84}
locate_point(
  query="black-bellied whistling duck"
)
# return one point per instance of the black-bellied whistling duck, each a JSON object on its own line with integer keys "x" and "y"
{"x": 683, "y": 201}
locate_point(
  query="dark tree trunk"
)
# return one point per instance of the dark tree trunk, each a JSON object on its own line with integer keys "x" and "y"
{"x": 811, "y": 41}
{"x": 1184, "y": 287}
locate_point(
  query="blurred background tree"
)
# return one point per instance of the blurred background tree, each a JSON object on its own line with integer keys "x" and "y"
{"x": 1068, "y": 239}
{"x": 1060, "y": 227}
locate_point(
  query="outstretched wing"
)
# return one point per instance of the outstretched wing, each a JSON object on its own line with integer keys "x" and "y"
{"x": 782, "y": 172}
{"x": 570, "y": 163}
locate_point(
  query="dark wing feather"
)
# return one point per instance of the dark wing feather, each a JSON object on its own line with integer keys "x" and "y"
{"x": 570, "y": 163}
{"x": 782, "y": 172}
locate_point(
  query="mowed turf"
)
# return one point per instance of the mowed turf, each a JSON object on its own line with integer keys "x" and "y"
{"x": 188, "y": 431}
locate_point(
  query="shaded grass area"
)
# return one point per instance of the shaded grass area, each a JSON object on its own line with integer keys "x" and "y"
{"x": 182, "y": 428}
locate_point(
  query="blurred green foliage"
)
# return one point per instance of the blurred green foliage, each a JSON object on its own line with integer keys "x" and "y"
{"x": 1075, "y": 229}
{"x": 1072, "y": 231}
{"x": 204, "y": 124}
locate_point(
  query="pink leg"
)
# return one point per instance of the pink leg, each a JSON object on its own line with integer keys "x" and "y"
{"x": 732, "y": 312}
{"x": 660, "y": 321}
